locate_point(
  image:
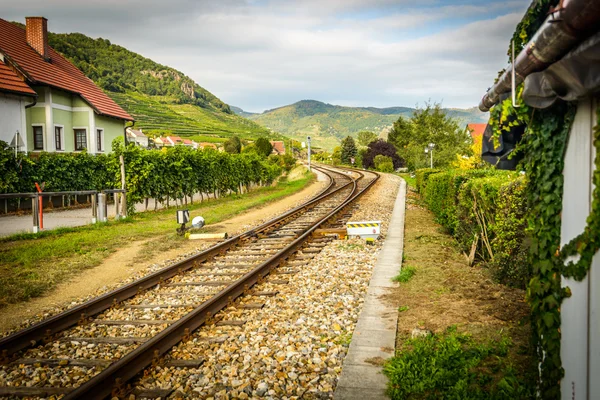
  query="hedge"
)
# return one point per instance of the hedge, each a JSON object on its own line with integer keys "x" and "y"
{"x": 489, "y": 205}
{"x": 172, "y": 172}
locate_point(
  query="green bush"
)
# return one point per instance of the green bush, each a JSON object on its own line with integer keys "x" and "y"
{"x": 489, "y": 204}
{"x": 172, "y": 172}
{"x": 383, "y": 163}
{"x": 510, "y": 244}
{"x": 422, "y": 175}
{"x": 454, "y": 366}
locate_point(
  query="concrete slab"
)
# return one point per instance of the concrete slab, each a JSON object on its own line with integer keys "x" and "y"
{"x": 375, "y": 332}
{"x": 359, "y": 394}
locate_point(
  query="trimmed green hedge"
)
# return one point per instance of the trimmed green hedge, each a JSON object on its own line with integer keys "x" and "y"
{"x": 489, "y": 205}
{"x": 172, "y": 172}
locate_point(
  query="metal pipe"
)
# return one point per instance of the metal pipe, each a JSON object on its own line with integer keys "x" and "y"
{"x": 563, "y": 29}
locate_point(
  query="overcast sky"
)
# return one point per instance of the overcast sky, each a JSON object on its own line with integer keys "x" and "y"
{"x": 261, "y": 54}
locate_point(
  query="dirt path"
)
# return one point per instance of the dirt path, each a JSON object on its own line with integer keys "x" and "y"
{"x": 124, "y": 264}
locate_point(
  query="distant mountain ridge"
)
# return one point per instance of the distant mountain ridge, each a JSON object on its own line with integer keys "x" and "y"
{"x": 327, "y": 124}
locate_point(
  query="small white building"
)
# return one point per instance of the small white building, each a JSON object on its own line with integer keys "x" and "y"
{"x": 15, "y": 95}
{"x": 137, "y": 136}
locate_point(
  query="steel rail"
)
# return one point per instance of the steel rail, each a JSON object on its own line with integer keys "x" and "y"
{"x": 43, "y": 330}
{"x": 113, "y": 379}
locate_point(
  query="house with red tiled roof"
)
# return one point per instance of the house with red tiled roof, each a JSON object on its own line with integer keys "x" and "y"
{"x": 15, "y": 96}
{"x": 67, "y": 112}
{"x": 476, "y": 130}
{"x": 172, "y": 140}
{"x": 278, "y": 147}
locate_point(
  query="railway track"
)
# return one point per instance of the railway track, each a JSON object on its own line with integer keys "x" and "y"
{"x": 95, "y": 349}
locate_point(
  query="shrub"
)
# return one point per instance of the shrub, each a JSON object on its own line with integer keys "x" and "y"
{"x": 383, "y": 163}
{"x": 510, "y": 244}
{"x": 487, "y": 204}
{"x": 453, "y": 366}
{"x": 422, "y": 175}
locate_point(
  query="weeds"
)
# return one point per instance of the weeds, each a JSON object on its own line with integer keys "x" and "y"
{"x": 453, "y": 366}
{"x": 405, "y": 274}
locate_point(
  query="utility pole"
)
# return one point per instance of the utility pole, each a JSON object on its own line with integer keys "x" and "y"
{"x": 308, "y": 143}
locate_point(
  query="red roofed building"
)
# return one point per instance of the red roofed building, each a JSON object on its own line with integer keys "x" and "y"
{"x": 476, "y": 130}
{"x": 67, "y": 111}
{"x": 15, "y": 94}
{"x": 278, "y": 147}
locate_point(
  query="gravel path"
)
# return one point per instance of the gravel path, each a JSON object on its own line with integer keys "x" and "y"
{"x": 293, "y": 347}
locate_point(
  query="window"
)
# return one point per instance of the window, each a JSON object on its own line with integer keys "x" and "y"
{"x": 58, "y": 132}
{"x": 38, "y": 138}
{"x": 100, "y": 139}
{"x": 80, "y": 139}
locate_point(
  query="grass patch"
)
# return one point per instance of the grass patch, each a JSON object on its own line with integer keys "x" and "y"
{"x": 411, "y": 181}
{"x": 403, "y": 308}
{"x": 465, "y": 309}
{"x": 453, "y": 365}
{"x": 405, "y": 274}
{"x": 31, "y": 264}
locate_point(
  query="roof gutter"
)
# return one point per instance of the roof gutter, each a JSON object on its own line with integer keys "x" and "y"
{"x": 572, "y": 22}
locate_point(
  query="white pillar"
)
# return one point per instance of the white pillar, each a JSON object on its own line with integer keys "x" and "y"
{"x": 579, "y": 340}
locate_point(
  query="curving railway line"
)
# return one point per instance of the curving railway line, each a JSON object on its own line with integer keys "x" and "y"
{"x": 94, "y": 350}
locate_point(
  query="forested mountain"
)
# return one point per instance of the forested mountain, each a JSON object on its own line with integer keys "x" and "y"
{"x": 160, "y": 98}
{"x": 327, "y": 124}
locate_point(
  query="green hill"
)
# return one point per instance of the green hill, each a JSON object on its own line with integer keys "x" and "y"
{"x": 160, "y": 98}
{"x": 327, "y": 124}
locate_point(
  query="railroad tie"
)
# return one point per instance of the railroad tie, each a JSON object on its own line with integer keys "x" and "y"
{"x": 215, "y": 283}
{"x": 135, "y": 306}
{"x": 34, "y": 391}
{"x": 251, "y": 306}
{"x": 231, "y": 322}
{"x": 184, "y": 363}
{"x": 54, "y": 362}
{"x": 266, "y": 293}
{"x": 152, "y": 393}
{"x": 105, "y": 339}
{"x": 133, "y": 322}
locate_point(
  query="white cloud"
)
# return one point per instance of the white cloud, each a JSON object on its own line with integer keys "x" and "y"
{"x": 266, "y": 53}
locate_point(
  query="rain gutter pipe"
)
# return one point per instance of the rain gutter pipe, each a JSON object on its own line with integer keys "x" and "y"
{"x": 566, "y": 26}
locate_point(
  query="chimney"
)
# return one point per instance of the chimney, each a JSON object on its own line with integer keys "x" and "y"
{"x": 36, "y": 29}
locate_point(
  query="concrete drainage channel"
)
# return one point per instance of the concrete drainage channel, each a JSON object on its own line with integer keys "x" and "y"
{"x": 121, "y": 333}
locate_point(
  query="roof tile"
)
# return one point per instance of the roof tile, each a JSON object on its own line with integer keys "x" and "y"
{"x": 10, "y": 82}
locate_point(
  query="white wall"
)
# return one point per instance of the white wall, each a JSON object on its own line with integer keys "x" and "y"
{"x": 580, "y": 327}
{"x": 12, "y": 118}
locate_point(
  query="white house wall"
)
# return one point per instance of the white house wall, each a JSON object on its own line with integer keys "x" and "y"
{"x": 12, "y": 118}
{"x": 579, "y": 318}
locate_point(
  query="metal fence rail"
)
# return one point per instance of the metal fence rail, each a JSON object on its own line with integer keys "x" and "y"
{"x": 98, "y": 197}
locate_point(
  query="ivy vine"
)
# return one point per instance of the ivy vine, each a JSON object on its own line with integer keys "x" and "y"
{"x": 544, "y": 146}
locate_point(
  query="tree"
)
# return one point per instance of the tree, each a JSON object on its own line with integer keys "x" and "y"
{"x": 233, "y": 145}
{"x": 349, "y": 150}
{"x": 336, "y": 156}
{"x": 429, "y": 125}
{"x": 366, "y": 137}
{"x": 381, "y": 147}
{"x": 383, "y": 163}
{"x": 263, "y": 147}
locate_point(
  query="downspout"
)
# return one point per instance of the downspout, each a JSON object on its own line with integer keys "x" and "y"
{"x": 564, "y": 28}
{"x": 125, "y": 131}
